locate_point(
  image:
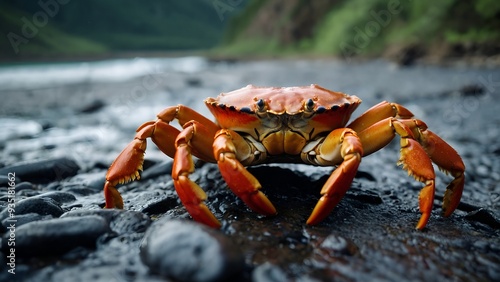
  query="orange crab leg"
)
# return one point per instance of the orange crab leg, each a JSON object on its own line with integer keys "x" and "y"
{"x": 127, "y": 165}
{"x": 412, "y": 156}
{"x": 339, "y": 182}
{"x": 377, "y": 113}
{"x": 194, "y": 135}
{"x": 446, "y": 158}
{"x": 239, "y": 180}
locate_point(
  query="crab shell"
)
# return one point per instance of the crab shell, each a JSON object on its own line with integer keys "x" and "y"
{"x": 305, "y": 110}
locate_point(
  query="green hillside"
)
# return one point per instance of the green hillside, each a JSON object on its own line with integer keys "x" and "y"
{"x": 29, "y": 29}
{"x": 365, "y": 27}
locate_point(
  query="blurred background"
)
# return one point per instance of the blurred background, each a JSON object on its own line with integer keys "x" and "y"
{"x": 111, "y": 65}
{"x": 399, "y": 29}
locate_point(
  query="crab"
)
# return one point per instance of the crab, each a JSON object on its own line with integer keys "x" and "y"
{"x": 306, "y": 124}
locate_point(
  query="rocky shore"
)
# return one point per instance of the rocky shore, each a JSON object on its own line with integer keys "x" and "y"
{"x": 60, "y": 133}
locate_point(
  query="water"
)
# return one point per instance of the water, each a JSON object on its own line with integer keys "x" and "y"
{"x": 32, "y": 76}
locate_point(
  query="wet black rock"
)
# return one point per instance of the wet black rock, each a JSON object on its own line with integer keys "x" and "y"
{"x": 23, "y": 219}
{"x": 58, "y": 196}
{"x": 6, "y": 180}
{"x": 94, "y": 181}
{"x": 485, "y": 217}
{"x": 366, "y": 175}
{"x": 472, "y": 90}
{"x": 38, "y": 205}
{"x": 159, "y": 169}
{"x": 194, "y": 82}
{"x": 43, "y": 171}
{"x": 120, "y": 221}
{"x": 188, "y": 251}
{"x": 57, "y": 236}
{"x": 367, "y": 197}
{"x": 165, "y": 202}
{"x": 24, "y": 186}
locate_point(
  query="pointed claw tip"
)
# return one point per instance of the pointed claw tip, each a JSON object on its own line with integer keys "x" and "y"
{"x": 423, "y": 221}
{"x": 447, "y": 212}
{"x": 311, "y": 221}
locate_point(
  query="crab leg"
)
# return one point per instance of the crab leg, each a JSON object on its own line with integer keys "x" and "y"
{"x": 412, "y": 156}
{"x": 377, "y": 113}
{"x": 446, "y": 158}
{"x": 194, "y": 135}
{"x": 343, "y": 143}
{"x": 127, "y": 165}
{"x": 440, "y": 152}
{"x": 239, "y": 180}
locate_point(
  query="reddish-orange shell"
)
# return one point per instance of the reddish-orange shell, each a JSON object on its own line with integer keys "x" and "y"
{"x": 236, "y": 109}
{"x": 282, "y": 100}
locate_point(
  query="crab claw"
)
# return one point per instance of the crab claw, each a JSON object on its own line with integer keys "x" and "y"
{"x": 416, "y": 162}
{"x": 448, "y": 160}
{"x": 125, "y": 168}
{"x": 237, "y": 177}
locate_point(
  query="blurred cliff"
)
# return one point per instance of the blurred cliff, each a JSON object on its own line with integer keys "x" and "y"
{"x": 400, "y": 29}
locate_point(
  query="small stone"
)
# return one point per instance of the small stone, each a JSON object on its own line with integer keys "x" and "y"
{"x": 482, "y": 171}
{"x": 57, "y": 236}
{"x": 92, "y": 107}
{"x": 472, "y": 90}
{"x": 193, "y": 82}
{"x": 41, "y": 206}
{"x": 268, "y": 272}
{"x": 120, "y": 221}
{"x": 43, "y": 171}
{"x": 337, "y": 245}
{"x": 188, "y": 251}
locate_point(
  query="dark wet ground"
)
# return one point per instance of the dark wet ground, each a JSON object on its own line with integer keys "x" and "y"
{"x": 60, "y": 138}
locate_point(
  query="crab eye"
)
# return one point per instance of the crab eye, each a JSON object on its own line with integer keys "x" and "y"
{"x": 261, "y": 105}
{"x": 309, "y": 105}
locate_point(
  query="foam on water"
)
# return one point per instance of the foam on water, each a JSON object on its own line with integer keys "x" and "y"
{"x": 34, "y": 76}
